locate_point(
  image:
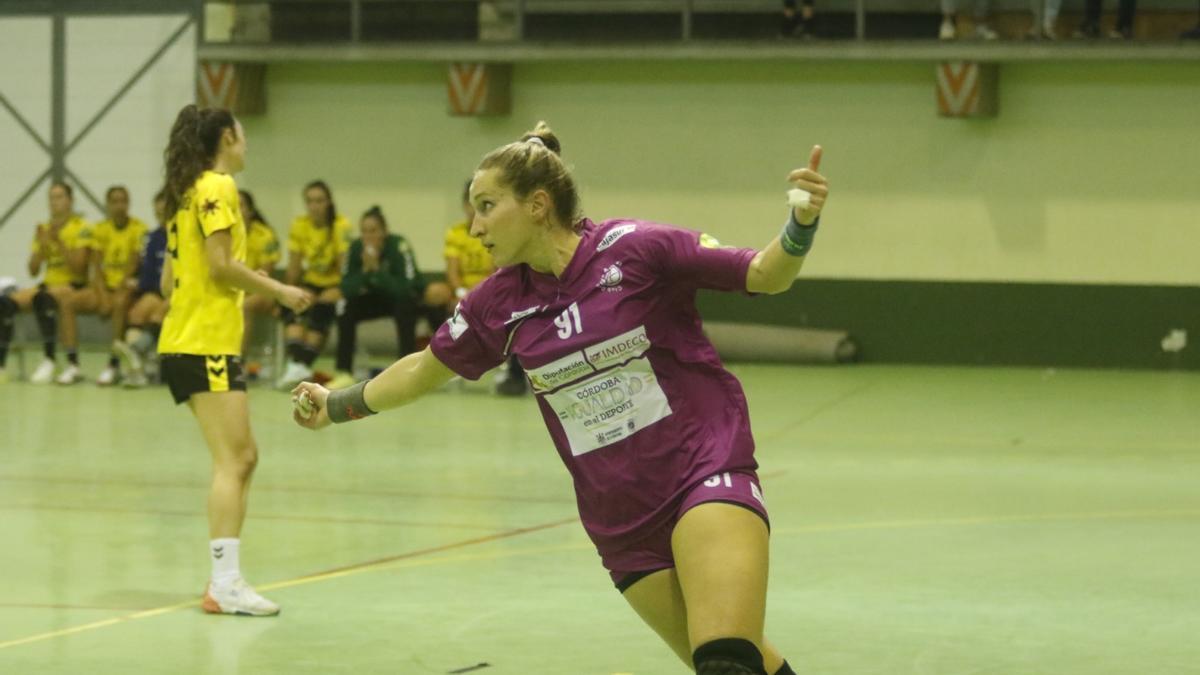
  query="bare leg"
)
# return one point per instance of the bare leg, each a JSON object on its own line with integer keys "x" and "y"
{"x": 122, "y": 298}
{"x": 24, "y": 298}
{"x": 659, "y": 598}
{"x": 224, "y": 419}
{"x": 721, "y": 557}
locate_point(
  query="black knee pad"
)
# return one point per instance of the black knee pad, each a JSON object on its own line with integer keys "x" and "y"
{"x": 44, "y": 302}
{"x": 728, "y": 656}
{"x": 286, "y": 315}
{"x": 8, "y": 312}
{"x": 321, "y": 317}
{"x": 45, "y": 309}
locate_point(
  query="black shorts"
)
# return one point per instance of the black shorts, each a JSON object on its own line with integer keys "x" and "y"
{"x": 187, "y": 374}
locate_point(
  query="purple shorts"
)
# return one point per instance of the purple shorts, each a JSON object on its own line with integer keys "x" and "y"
{"x": 653, "y": 552}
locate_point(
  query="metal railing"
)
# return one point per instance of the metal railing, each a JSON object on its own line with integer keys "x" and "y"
{"x": 515, "y": 15}
{"x": 532, "y": 30}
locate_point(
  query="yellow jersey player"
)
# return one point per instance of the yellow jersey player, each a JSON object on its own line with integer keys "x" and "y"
{"x": 205, "y": 277}
{"x": 262, "y": 246}
{"x": 317, "y": 246}
{"x": 61, "y": 247}
{"x": 468, "y": 262}
{"x": 262, "y": 256}
{"x": 116, "y": 252}
{"x": 146, "y": 306}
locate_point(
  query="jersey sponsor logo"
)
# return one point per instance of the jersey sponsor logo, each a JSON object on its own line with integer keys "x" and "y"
{"x": 617, "y": 350}
{"x": 615, "y": 234}
{"x": 458, "y": 325}
{"x": 611, "y": 278}
{"x": 610, "y": 407}
{"x": 517, "y": 316}
{"x": 552, "y": 375}
{"x": 592, "y": 359}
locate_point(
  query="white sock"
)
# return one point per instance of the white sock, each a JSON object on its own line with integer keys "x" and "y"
{"x": 224, "y": 554}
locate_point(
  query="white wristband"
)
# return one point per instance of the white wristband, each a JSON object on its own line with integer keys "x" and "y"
{"x": 798, "y": 199}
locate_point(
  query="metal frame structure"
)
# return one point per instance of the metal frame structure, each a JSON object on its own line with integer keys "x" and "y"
{"x": 58, "y": 146}
{"x": 518, "y": 48}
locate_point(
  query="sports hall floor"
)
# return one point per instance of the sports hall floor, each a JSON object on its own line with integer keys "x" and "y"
{"x": 926, "y": 520}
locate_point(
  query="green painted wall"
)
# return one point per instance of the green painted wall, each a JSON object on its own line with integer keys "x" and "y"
{"x": 985, "y": 323}
{"x": 1089, "y": 174}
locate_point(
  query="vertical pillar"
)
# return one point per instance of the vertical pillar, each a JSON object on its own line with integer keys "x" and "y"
{"x": 58, "y": 96}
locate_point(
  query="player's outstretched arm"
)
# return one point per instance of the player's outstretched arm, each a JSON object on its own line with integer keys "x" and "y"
{"x": 218, "y": 249}
{"x": 402, "y": 383}
{"x": 775, "y": 267}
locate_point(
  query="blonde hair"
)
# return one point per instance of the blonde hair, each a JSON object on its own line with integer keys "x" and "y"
{"x": 535, "y": 162}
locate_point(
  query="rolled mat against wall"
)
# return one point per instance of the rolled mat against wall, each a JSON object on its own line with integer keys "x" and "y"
{"x": 776, "y": 344}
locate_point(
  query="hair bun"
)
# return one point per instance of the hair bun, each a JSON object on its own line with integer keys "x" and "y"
{"x": 546, "y": 135}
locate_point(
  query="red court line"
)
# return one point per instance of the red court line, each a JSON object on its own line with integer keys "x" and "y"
{"x": 444, "y": 547}
{"x": 259, "y": 488}
{"x": 308, "y": 578}
{"x": 251, "y": 516}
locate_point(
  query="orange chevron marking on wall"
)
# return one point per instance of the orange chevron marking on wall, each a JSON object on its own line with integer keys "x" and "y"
{"x": 216, "y": 87}
{"x": 958, "y": 89}
{"x": 468, "y": 87}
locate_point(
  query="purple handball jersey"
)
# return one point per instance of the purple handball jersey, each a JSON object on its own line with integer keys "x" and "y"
{"x": 632, "y": 392}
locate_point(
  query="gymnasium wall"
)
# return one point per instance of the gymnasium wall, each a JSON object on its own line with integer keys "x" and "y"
{"x": 1087, "y": 176}
{"x": 101, "y": 55}
{"x": 1071, "y": 209}
{"x": 1061, "y": 233}
{"x": 25, "y": 82}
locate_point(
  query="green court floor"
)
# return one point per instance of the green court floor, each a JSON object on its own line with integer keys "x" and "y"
{"x": 926, "y": 520}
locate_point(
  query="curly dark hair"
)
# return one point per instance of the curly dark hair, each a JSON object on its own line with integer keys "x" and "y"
{"x": 195, "y": 138}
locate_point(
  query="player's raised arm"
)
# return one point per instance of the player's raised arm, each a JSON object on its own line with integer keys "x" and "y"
{"x": 402, "y": 383}
{"x": 775, "y": 267}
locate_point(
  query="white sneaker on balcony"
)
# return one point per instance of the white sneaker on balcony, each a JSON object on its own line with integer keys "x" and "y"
{"x": 947, "y": 31}
{"x": 985, "y": 32}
